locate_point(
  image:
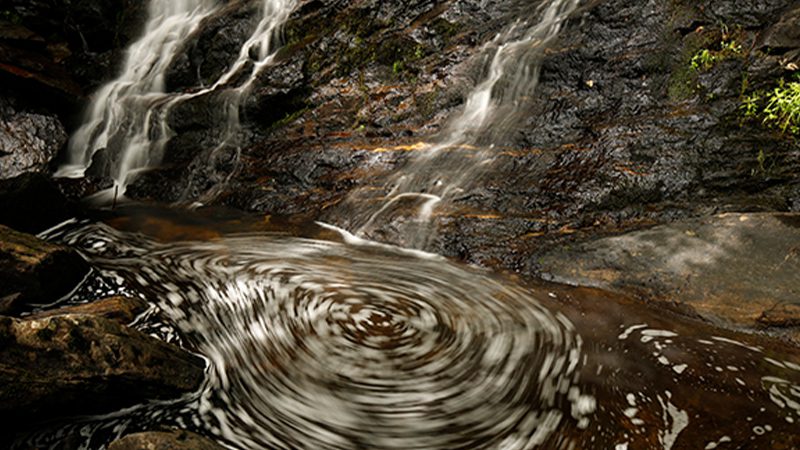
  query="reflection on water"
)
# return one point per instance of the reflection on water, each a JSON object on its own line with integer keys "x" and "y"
{"x": 344, "y": 344}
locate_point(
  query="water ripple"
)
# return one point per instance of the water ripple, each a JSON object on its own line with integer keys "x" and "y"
{"x": 317, "y": 344}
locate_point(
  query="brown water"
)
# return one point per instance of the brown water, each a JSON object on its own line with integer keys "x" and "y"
{"x": 319, "y": 340}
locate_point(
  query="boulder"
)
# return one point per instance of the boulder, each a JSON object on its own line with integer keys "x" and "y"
{"x": 33, "y": 270}
{"x": 740, "y": 271}
{"x": 74, "y": 364}
{"x": 29, "y": 140}
{"x": 165, "y": 440}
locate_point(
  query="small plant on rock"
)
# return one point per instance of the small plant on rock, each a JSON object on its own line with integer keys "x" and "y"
{"x": 783, "y": 107}
{"x": 778, "y": 107}
{"x": 706, "y": 58}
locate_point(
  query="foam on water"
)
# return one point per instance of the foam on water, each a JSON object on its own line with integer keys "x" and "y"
{"x": 337, "y": 345}
{"x": 312, "y": 342}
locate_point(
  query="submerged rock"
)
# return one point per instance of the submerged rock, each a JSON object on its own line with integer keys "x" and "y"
{"x": 739, "y": 271}
{"x": 33, "y": 270}
{"x": 74, "y": 364}
{"x": 165, "y": 440}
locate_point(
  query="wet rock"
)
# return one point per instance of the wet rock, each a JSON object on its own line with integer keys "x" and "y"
{"x": 122, "y": 310}
{"x": 75, "y": 364}
{"x": 735, "y": 270}
{"x": 346, "y": 69}
{"x": 783, "y": 38}
{"x": 165, "y": 440}
{"x": 36, "y": 270}
{"x": 32, "y": 202}
{"x": 27, "y": 62}
{"x": 621, "y": 133}
{"x": 213, "y": 47}
{"x": 29, "y": 140}
{"x": 80, "y": 39}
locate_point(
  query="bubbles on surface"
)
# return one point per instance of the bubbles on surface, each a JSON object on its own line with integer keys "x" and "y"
{"x": 318, "y": 344}
{"x": 312, "y": 343}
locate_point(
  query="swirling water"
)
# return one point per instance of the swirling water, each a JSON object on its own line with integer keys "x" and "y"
{"x": 330, "y": 342}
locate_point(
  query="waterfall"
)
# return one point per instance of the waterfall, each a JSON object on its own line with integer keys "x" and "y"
{"x": 491, "y": 111}
{"x": 128, "y": 116}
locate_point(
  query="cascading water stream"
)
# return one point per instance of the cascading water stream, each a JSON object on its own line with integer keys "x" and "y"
{"x": 491, "y": 111}
{"x": 128, "y": 116}
{"x": 340, "y": 343}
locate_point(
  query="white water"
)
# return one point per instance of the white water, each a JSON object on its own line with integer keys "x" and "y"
{"x": 128, "y": 116}
{"x": 492, "y": 110}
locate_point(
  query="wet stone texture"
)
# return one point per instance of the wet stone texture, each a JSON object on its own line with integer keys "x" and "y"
{"x": 740, "y": 271}
{"x": 621, "y": 133}
{"x": 77, "y": 364}
{"x": 29, "y": 140}
{"x": 33, "y": 270}
{"x": 165, "y": 440}
{"x": 122, "y": 310}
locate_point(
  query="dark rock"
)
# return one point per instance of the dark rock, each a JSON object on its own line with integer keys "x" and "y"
{"x": 32, "y": 203}
{"x": 32, "y": 66}
{"x": 165, "y": 440}
{"x": 122, "y": 310}
{"x": 83, "y": 39}
{"x": 36, "y": 270}
{"x": 213, "y": 47}
{"x": 74, "y": 364}
{"x": 29, "y": 140}
{"x": 784, "y": 35}
{"x": 11, "y": 302}
{"x": 621, "y": 132}
{"x": 736, "y": 270}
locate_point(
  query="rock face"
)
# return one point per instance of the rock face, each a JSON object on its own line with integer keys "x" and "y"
{"x": 735, "y": 270}
{"x": 165, "y": 440}
{"x": 74, "y": 364}
{"x": 32, "y": 270}
{"x": 28, "y": 140}
{"x": 65, "y": 46}
{"x": 622, "y": 132}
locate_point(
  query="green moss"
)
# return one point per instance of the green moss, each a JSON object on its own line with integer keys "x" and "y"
{"x": 289, "y": 118}
{"x": 682, "y": 85}
{"x": 683, "y": 79}
{"x": 701, "y": 51}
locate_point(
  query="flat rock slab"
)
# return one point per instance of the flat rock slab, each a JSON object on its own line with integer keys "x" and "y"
{"x": 76, "y": 364}
{"x": 122, "y": 310}
{"x": 165, "y": 440}
{"x": 735, "y": 270}
{"x": 32, "y": 269}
